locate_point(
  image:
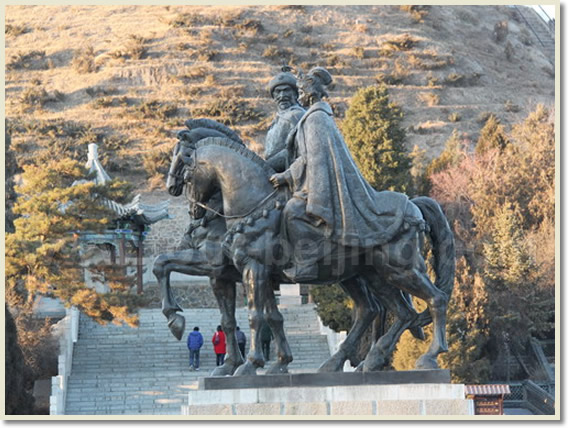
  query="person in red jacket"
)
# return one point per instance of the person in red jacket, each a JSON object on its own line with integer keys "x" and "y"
{"x": 219, "y": 345}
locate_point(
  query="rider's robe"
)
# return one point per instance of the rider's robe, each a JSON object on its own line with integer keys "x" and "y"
{"x": 275, "y": 151}
{"x": 325, "y": 175}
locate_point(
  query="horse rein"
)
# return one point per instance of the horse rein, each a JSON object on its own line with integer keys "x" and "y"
{"x": 208, "y": 208}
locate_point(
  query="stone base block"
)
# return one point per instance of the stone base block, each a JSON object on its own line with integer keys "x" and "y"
{"x": 295, "y": 380}
{"x": 353, "y": 400}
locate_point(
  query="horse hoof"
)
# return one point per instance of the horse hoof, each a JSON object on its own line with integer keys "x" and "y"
{"x": 277, "y": 368}
{"x": 247, "y": 369}
{"x": 426, "y": 362}
{"x": 334, "y": 364}
{"x": 360, "y": 366}
{"x": 224, "y": 370}
{"x": 176, "y": 323}
{"x": 375, "y": 364}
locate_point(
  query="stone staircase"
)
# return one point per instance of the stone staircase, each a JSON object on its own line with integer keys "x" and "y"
{"x": 544, "y": 36}
{"x": 144, "y": 370}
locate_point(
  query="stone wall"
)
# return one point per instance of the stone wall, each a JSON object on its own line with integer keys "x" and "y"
{"x": 166, "y": 235}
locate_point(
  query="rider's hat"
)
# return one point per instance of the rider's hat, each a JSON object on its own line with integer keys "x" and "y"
{"x": 283, "y": 78}
{"x": 321, "y": 74}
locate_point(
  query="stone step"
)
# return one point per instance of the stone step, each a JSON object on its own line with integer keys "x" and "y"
{"x": 144, "y": 370}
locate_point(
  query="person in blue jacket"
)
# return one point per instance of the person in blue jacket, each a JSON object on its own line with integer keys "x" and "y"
{"x": 194, "y": 344}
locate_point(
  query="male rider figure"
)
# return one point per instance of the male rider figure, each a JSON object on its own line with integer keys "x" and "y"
{"x": 284, "y": 91}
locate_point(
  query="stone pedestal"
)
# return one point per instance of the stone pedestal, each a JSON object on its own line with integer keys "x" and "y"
{"x": 357, "y": 395}
{"x": 290, "y": 294}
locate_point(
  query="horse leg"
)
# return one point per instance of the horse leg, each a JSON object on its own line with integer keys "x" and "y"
{"x": 276, "y": 322}
{"x": 366, "y": 309}
{"x": 405, "y": 269}
{"x": 255, "y": 281}
{"x": 437, "y": 304}
{"x": 381, "y": 351}
{"x": 190, "y": 262}
{"x": 225, "y": 293}
{"x": 161, "y": 270}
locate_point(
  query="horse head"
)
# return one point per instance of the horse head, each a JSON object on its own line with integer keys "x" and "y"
{"x": 200, "y": 180}
{"x": 175, "y": 182}
{"x": 187, "y": 139}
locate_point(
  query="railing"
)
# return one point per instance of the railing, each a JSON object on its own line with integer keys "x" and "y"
{"x": 538, "y": 400}
{"x": 529, "y": 25}
{"x": 549, "y": 348}
{"x": 548, "y": 21}
{"x": 541, "y": 360}
{"x": 536, "y": 396}
{"x": 68, "y": 333}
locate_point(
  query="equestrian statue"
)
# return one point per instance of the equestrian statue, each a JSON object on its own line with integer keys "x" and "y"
{"x": 317, "y": 221}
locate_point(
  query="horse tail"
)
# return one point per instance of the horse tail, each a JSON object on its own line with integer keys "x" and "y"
{"x": 443, "y": 247}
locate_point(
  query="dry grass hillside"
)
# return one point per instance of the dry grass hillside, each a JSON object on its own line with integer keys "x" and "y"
{"x": 127, "y": 76}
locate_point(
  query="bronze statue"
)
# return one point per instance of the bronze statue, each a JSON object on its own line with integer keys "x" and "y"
{"x": 201, "y": 254}
{"x": 364, "y": 287}
{"x": 372, "y": 268}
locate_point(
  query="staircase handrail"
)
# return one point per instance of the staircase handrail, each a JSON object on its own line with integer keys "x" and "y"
{"x": 529, "y": 25}
{"x": 69, "y": 333}
{"x": 538, "y": 354}
{"x": 538, "y": 400}
{"x": 550, "y": 23}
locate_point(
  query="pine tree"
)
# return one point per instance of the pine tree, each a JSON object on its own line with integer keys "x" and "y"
{"x": 536, "y": 136}
{"x": 418, "y": 171}
{"x": 468, "y": 356}
{"x": 373, "y": 132}
{"x": 516, "y": 302}
{"x": 451, "y": 156}
{"x": 333, "y": 306}
{"x": 492, "y": 136}
{"x": 43, "y": 255}
{"x": 507, "y": 261}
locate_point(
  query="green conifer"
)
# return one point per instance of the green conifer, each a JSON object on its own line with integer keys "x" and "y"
{"x": 43, "y": 255}
{"x": 451, "y": 156}
{"x": 468, "y": 356}
{"x": 492, "y": 136}
{"x": 373, "y": 132}
{"x": 333, "y": 306}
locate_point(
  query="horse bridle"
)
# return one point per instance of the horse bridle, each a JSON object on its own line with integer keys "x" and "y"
{"x": 178, "y": 176}
{"x": 192, "y": 200}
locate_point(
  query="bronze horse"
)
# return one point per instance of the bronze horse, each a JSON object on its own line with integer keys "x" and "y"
{"x": 205, "y": 257}
{"x": 252, "y": 211}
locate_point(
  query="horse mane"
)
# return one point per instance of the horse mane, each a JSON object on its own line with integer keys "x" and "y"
{"x": 236, "y": 147}
{"x": 192, "y": 124}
